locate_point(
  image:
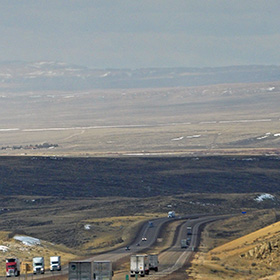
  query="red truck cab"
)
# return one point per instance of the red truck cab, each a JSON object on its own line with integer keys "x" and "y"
{"x": 12, "y": 267}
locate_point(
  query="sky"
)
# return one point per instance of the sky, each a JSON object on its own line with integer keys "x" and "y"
{"x": 141, "y": 33}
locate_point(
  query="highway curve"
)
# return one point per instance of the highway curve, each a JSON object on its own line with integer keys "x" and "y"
{"x": 170, "y": 260}
{"x": 174, "y": 258}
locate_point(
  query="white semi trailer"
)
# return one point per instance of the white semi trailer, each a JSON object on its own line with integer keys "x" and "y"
{"x": 102, "y": 270}
{"x": 153, "y": 262}
{"x": 139, "y": 264}
{"x": 80, "y": 270}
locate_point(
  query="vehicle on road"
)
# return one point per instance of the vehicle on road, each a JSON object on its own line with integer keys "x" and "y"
{"x": 55, "y": 263}
{"x": 153, "y": 262}
{"x": 184, "y": 243}
{"x": 144, "y": 238}
{"x": 139, "y": 264}
{"x": 12, "y": 267}
{"x": 102, "y": 270}
{"x": 171, "y": 214}
{"x": 38, "y": 265}
{"x": 127, "y": 248}
{"x": 80, "y": 270}
{"x": 189, "y": 230}
{"x": 151, "y": 224}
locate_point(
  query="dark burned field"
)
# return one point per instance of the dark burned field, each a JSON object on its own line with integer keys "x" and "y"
{"x": 137, "y": 177}
{"x": 53, "y": 198}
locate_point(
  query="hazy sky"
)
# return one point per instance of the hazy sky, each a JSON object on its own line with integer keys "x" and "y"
{"x": 141, "y": 33}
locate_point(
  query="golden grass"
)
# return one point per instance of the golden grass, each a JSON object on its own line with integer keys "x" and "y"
{"x": 225, "y": 261}
{"x": 26, "y": 253}
{"x": 4, "y": 235}
{"x": 111, "y": 232}
{"x": 245, "y": 243}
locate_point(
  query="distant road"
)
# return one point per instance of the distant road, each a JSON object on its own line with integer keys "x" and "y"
{"x": 83, "y": 128}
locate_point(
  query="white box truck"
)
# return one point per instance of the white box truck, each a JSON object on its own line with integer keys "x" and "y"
{"x": 12, "y": 267}
{"x": 139, "y": 264}
{"x": 102, "y": 270}
{"x": 38, "y": 265}
{"x": 55, "y": 263}
{"x": 80, "y": 270}
{"x": 153, "y": 262}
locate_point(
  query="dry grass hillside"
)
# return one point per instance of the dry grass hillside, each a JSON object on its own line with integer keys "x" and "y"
{"x": 102, "y": 234}
{"x": 254, "y": 256}
{"x": 10, "y": 247}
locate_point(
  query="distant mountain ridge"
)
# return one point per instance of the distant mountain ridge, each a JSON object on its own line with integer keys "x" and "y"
{"x": 49, "y": 75}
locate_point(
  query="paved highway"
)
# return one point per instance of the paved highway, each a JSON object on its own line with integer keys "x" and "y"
{"x": 169, "y": 260}
{"x": 175, "y": 257}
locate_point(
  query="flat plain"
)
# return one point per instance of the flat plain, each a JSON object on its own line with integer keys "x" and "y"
{"x": 217, "y": 119}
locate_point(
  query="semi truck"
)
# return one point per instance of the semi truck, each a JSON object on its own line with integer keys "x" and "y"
{"x": 171, "y": 214}
{"x": 153, "y": 262}
{"x": 80, "y": 270}
{"x": 12, "y": 267}
{"x": 38, "y": 265}
{"x": 184, "y": 243}
{"x": 102, "y": 270}
{"x": 55, "y": 263}
{"x": 139, "y": 264}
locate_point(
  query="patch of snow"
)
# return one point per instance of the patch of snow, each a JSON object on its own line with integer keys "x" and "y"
{"x": 262, "y": 137}
{"x": 265, "y": 136}
{"x": 248, "y": 159}
{"x": 193, "y": 136}
{"x": 4, "y": 248}
{"x": 105, "y": 75}
{"x": 177, "y": 139}
{"x": 87, "y": 227}
{"x": 36, "y": 73}
{"x": 5, "y": 75}
{"x": 271, "y": 88}
{"x": 27, "y": 240}
{"x": 264, "y": 196}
